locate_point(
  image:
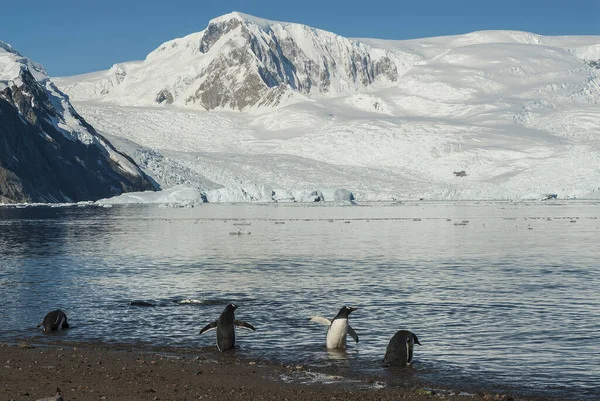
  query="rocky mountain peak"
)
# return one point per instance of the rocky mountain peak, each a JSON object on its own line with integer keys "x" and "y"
{"x": 29, "y": 97}
{"x": 216, "y": 29}
{"x": 241, "y": 62}
{"x": 5, "y": 46}
{"x": 284, "y": 56}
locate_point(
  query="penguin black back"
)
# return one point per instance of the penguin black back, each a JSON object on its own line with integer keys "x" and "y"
{"x": 54, "y": 320}
{"x": 400, "y": 348}
{"x": 225, "y": 326}
{"x": 226, "y": 329}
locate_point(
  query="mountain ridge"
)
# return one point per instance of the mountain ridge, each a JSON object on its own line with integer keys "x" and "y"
{"x": 48, "y": 152}
{"x": 257, "y": 62}
{"x": 271, "y": 78}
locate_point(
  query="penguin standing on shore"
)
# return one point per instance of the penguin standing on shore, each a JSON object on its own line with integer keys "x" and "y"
{"x": 225, "y": 326}
{"x": 54, "y": 320}
{"x": 400, "y": 349}
{"x": 338, "y": 328}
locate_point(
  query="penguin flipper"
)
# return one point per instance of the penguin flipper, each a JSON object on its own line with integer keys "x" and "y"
{"x": 208, "y": 327}
{"x": 352, "y": 333}
{"x": 320, "y": 319}
{"x": 244, "y": 325}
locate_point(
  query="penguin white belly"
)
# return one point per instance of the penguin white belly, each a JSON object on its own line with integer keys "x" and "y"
{"x": 60, "y": 320}
{"x": 336, "y": 335}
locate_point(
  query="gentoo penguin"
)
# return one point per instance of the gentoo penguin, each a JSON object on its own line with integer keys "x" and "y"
{"x": 225, "y": 326}
{"x": 400, "y": 349}
{"x": 54, "y": 320}
{"x": 338, "y": 328}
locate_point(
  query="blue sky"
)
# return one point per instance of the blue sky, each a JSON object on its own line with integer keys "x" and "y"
{"x": 76, "y": 36}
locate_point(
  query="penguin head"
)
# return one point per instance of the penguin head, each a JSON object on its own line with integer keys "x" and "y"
{"x": 415, "y": 339}
{"x": 344, "y": 312}
{"x": 230, "y": 308}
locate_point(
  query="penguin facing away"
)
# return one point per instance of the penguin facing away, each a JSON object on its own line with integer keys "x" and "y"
{"x": 399, "y": 351}
{"x": 54, "y": 320}
{"x": 338, "y": 328}
{"x": 225, "y": 326}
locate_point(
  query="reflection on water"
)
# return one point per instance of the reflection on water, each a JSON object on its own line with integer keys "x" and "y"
{"x": 499, "y": 294}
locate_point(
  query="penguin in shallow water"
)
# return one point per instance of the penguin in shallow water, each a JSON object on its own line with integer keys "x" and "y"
{"x": 338, "y": 328}
{"x": 225, "y": 326}
{"x": 54, "y": 320}
{"x": 400, "y": 349}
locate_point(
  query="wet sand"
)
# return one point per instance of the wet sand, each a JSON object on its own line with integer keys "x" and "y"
{"x": 101, "y": 372}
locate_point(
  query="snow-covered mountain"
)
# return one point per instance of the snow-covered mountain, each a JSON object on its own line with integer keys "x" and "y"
{"x": 48, "y": 153}
{"x": 518, "y": 112}
{"x": 240, "y": 61}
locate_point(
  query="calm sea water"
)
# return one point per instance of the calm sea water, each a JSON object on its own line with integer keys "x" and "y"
{"x": 501, "y": 295}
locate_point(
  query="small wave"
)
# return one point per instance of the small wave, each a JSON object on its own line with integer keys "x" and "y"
{"x": 190, "y": 301}
{"x": 308, "y": 377}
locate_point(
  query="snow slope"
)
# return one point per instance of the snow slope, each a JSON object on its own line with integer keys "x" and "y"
{"x": 518, "y": 112}
{"x": 11, "y": 63}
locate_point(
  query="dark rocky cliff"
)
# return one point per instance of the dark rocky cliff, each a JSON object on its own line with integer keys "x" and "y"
{"x": 41, "y": 162}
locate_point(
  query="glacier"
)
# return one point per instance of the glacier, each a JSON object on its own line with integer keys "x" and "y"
{"x": 251, "y": 103}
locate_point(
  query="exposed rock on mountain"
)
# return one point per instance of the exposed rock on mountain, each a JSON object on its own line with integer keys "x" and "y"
{"x": 239, "y": 62}
{"x": 48, "y": 152}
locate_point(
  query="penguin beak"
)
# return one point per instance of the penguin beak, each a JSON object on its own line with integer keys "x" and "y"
{"x": 416, "y": 340}
{"x": 353, "y": 309}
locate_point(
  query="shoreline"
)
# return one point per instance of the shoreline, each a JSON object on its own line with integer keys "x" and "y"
{"x": 97, "y": 371}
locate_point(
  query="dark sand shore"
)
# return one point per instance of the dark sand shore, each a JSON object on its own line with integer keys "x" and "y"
{"x": 102, "y": 372}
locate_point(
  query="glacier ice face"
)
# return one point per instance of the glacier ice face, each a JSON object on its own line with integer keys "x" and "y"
{"x": 185, "y": 195}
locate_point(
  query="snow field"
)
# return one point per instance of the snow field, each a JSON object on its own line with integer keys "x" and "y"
{"x": 518, "y": 112}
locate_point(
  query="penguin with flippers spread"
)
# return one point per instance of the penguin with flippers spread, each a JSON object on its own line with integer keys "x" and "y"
{"x": 338, "y": 328}
{"x": 225, "y": 326}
